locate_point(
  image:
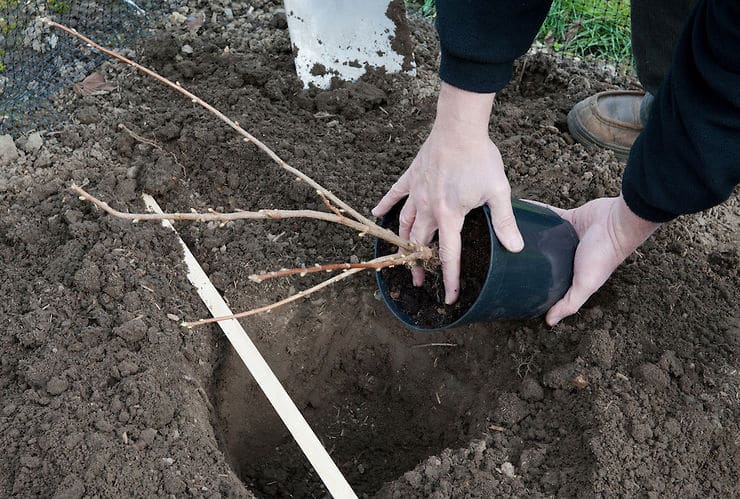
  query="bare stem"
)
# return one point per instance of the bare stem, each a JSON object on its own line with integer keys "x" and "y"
{"x": 328, "y": 204}
{"x": 214, "y": 216}
{"x": 397, "y": 259}
{"x": 338, "y": 208}
{"x": 269, "y": 308}
{"x": 234, "y": 125}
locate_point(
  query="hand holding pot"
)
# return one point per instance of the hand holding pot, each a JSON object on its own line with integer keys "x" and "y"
{"x": 458, "y": 168}
{"x": 609, "y": 232}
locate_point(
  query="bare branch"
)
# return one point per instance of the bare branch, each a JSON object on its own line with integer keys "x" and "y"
{"x": 233, "y": 124}
{"x": 340, "y": 211}
{"x": 424, "y": 345}
{"x": 328, "y": 204}
{"x": 269, "y": 308}
{"x": 396, "y": 259}
{"x": 255, "y": 215}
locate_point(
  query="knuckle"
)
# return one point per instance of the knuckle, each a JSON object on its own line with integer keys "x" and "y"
{"x": 506, "y": 221}
{"x": 396, "y": 188}
{"x": 502, "y": 190}
{"x": 443, "y": 211}
{"x": 405, "y": 219}
{"x": 447, "y": 254}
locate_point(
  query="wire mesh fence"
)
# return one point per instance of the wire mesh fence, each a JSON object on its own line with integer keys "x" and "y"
{"x": 37, "y": 61}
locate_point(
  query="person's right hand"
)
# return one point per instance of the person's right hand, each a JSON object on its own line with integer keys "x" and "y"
{"x": 458, "y": 168}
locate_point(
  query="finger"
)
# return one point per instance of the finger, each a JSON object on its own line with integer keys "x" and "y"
{"x": 406, "y": 219}
{"x": 570, "y": 303}
{"x": 450, "y": 247}
{"x": 417, "y": 275}
{"x": 393, "y": 196}
{"x": 503, "y": 221}
{"x": 422, "y": 233}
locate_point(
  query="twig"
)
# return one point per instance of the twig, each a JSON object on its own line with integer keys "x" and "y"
{"x": 252, "y": 215}
{"x": 397, "y": 259}
{"x": 435, "y": 345}
{"x": 358, "y": 222}
{"x": 234, "y": 125}
{"x": 150, "y": 142}
{"x": 328, "y": 204}
{"x": 269, "y": 308}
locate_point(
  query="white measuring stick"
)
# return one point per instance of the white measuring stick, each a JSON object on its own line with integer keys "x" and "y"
{"x": 266, "y": 379}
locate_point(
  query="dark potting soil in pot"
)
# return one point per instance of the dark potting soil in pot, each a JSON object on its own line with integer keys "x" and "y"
{"x": 426, "y": 304}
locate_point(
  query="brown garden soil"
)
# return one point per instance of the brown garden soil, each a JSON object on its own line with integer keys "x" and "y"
{"x": 425, "y": 305}
{"x": 104, "y": 394}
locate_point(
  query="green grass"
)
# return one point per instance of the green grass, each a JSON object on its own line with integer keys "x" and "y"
{"x": 590, "y": 28}
{"x": 5, "y": 5}
{"x": 427, "y": 8}
{"x": 597, "y": 29}
{"x": 58, "y": 6}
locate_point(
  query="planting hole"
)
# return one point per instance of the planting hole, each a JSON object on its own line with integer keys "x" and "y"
{"x": 379, "y": 397}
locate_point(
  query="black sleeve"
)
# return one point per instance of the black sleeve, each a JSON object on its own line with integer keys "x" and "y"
{"x": 480, "y": 39}
{"x": 687, "y": 158}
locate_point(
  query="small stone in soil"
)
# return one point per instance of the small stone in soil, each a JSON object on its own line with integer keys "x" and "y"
{"x": 56, "y": 386}
{"x": 43, "y": 160}
{"x": 507, "y": 469}
{"x": 33, "y": 143}
{"x": 8, "y": 151}
{"x": 530, "y": 389}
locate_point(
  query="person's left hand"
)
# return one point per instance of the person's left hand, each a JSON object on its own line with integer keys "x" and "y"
{"x": 609, "y": 232}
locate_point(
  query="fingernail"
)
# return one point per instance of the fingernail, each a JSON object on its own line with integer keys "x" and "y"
{"x": 374, "y": 211}
{"x": 555, "y": 321}
{"x": 450, "y": 298}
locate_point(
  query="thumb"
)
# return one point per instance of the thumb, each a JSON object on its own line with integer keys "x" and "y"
{"x": 561, "y": 212}
{"x": 569, "y": 304}
{"x": 504, "y": 223}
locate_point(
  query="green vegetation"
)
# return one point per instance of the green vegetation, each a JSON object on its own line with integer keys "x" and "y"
{"x": 58, "y": 6}
{"x": 585, "y": 28}
{"x": 7, "y": 27}
{"x": 426, "y": 8}
{"x": 590, "y": 28}
{"x": 9, "y": 4}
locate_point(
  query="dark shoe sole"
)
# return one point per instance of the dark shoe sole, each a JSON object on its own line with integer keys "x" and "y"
{"x": 583, "y": 136}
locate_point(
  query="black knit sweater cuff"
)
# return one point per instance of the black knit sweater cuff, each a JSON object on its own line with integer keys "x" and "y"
{"x": 480, "y": 77}
{"x": 635, "y": 188}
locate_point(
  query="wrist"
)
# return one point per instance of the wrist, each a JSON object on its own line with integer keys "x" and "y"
{"x": 631, "y": 230}
{"x": 462, "y": 113}
{"x": 633, "y": 220}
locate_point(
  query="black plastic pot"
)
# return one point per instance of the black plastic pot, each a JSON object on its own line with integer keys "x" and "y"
{"x": 518, "y": 285}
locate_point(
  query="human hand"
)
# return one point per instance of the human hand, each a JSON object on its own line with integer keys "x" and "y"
{"x": 609, "y": 232}
{"x": 458, "y": 168}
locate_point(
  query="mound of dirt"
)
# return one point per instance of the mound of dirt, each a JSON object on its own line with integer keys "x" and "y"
{"x": 104, "y": 394}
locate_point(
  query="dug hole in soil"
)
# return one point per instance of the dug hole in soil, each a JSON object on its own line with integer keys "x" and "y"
{"x": 104, "y": 394}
